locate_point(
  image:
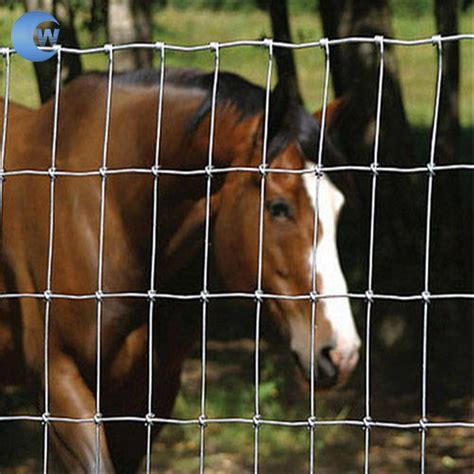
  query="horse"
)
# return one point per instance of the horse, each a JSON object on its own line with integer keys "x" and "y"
{"x": 288, "y": 214}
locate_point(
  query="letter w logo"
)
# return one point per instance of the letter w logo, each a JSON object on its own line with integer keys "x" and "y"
{"x": 47, "y": 35}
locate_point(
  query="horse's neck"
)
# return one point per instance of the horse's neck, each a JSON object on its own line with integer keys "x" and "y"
{"x": 187, "y": 147}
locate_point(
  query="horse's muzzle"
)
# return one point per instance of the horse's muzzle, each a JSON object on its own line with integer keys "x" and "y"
{"x": 333, "y": 367}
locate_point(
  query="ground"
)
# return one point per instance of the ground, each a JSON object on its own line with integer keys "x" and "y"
{"x": 229, "y": 448}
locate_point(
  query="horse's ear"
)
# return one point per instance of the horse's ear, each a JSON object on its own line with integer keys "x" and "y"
{"x": 334, "y": 111}
{"x": 187, "y": 240}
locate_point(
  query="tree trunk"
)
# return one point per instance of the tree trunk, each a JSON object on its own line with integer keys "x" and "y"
{"x": 121, "y": 30}
{"x": 45, "y": 71}
{"x": 446, "y": 13}
{"x": 130, "y": 21}
{"x": 285, "y": 60}
{"x": 71, "y": 63}
{"x": 355, "y": 69}
{"x": 142, "y": 16}
{"x": 98, "y": 19}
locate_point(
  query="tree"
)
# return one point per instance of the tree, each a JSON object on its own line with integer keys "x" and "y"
{"x": 354, "y": 69}
{"x": 98, "y": 19}
{"x": 446, "y": 13}
{"x": 63, "y": 11}
{"x": 285, "y": 60}
{"x": 45, "y": 71}
{"x": 130, "y": 21}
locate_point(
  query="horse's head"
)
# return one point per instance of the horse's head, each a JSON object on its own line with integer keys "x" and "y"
{"x": 289, "y": 209}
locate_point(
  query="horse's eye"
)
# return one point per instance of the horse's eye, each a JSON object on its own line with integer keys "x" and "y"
{"x": 279, "y": 208}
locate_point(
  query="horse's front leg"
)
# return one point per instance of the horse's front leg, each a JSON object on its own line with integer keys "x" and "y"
{"x": 74, "y": 443}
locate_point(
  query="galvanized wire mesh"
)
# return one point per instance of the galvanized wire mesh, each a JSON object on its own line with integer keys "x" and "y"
{"x": 152, "y": 295}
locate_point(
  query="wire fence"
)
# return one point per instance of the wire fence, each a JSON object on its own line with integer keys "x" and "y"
{"x": 152, "y": 295}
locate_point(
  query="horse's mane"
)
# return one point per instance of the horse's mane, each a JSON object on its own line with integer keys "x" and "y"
{"x": 293, "y": 124}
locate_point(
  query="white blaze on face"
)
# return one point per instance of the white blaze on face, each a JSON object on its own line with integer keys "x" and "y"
{"x": 337, "y": 311}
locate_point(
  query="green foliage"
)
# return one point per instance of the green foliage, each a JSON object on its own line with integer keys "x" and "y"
{"x": 213, "y": 4}
{"x": 399, "y": 7}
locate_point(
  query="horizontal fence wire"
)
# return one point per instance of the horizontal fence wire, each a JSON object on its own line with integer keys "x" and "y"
{"x": 152, "y": 295}
{"x": 235, "y": 44}
{"x": 237, "y": 169}
{"x": 235, "y": 295}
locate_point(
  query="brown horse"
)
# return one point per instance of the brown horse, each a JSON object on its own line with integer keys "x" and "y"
{"x": 287, "y": 250}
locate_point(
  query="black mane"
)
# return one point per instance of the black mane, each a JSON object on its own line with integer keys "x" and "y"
{"x": 288, "y": 122}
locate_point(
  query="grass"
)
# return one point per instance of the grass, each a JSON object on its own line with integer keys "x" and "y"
{"x": 417, "y": 65}
{"x": 230, "y": 374}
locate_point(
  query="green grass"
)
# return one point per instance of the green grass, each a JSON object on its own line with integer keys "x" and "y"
{"x": 230, "y": 394}
{"x": 417, "y": 65}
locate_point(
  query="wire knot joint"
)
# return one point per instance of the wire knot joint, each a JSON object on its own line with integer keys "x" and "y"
{"x": 423, "y": 424}
{"x": 108, "y": 49}
{"x": 155, "y": 171}
{"x": 367, "y": 420}
{"x": 379, "y": 40}
{"x": 202, "y": 421}
{"x": 318, "y": 171}
{"x": 324, "y": 44}
{"x": 149, "y": 419}
{"x": 268, "y": 43}
{"x": 214, "y": 46}
{"x": 45, "y": 418}
{"x": 436, "y": 40}
{"x": 312, "y": 422}
{"x": 374, "y": 168}
{"x": 262, "y": 169}
{"x": 52, "y": 173}
{"x": 209, "y": 171}
{"x": 204, "y": 296}
{"x": 259, "y": 296}
{"x": 369, "y": 296}
{"x": 98, "y": 419}
{"x": 431, "y": 169}
{"x": 257, "y": 421}
{"x": 426, "y": 297}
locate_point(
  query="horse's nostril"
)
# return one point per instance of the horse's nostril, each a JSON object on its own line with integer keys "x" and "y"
{"x": 327, "y": 371}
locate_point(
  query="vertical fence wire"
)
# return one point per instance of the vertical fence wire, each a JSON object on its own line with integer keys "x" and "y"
{"x": 261, "y": 216}
{"x": 154, "y": 229}
{"x": 6, "y": 98}
{"x": 369, "y": 292}
{"x": 205, "y": 276}
{"x": 47, "y": 296}
{"x": 49, "y": 271}
{"x": 426, "y": 294}
{"x": 100, "y": 266}
{"x": 317, "y": 178}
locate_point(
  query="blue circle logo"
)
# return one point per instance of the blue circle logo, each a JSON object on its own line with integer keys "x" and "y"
{"x": 23, "y": 36}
